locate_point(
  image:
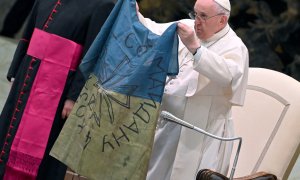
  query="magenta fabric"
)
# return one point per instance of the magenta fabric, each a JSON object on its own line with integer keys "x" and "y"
{"x": 58, "y": 56}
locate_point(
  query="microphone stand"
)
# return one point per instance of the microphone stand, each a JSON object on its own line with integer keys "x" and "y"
{"x": 170, "y": 117}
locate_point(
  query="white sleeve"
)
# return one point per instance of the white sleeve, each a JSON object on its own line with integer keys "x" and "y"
{"x": 157, "y": 28}
{"x": 227, "y": 70}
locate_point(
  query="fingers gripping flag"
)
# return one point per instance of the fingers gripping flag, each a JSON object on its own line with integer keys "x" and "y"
{"x": 109, "y": 133}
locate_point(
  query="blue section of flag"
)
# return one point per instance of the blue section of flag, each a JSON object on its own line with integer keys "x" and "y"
{"x": 128, "y": 58}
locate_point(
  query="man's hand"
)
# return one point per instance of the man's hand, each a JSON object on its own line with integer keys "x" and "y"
{"x": 188, "y": 37}
{"x": 137, "y": 7}
{"x": 67, "y": 108}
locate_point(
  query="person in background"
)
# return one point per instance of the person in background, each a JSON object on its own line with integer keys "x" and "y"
{"x": 46, "y": 84}
{"x": 213, "y": 73}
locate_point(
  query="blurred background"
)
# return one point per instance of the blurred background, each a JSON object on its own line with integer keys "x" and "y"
{"x": 269, "y": 28}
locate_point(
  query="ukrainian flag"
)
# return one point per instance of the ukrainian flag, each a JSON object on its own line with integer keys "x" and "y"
{"x": 109, "y": 133}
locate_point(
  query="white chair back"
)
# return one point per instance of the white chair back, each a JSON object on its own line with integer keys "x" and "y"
{"x": 269, "y": 124}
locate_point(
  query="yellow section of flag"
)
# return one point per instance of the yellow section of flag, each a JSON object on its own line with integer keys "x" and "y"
{"x": 108, "y": 135}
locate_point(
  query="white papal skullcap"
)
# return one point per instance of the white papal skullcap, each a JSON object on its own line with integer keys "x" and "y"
{"x": 224, "y": 3}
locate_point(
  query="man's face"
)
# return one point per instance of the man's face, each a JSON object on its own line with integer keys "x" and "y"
{"x": 208, "y": 20}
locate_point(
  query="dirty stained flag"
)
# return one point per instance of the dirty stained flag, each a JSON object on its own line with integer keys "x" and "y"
{"x": 109, "y": 133}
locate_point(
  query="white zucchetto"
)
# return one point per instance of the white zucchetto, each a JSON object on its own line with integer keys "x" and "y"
{"x": 224, "y": 3}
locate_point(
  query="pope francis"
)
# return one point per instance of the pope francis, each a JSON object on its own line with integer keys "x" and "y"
{"x": 212, "y": 78}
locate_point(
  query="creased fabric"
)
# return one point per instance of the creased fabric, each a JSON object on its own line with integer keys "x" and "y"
{"x": 109, "y": 133}
{"x": 29, "y": 145}
{"x": 75, "y": 20}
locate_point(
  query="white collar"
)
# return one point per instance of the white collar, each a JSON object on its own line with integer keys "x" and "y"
{"x": 216, "y": 36}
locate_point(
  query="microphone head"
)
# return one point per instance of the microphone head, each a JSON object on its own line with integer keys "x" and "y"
{"x": 170, "y": 117}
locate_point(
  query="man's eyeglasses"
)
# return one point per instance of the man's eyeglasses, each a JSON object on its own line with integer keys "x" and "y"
{"x": 202, "y": 17}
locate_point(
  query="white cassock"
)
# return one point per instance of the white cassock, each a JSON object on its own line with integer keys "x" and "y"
{"x": 202, "y": 94}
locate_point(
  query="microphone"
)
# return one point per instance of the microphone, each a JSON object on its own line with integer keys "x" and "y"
{"x": 170, "y": 117}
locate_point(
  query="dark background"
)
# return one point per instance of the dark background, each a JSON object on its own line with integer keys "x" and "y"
{"x": 269, "y": 28}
